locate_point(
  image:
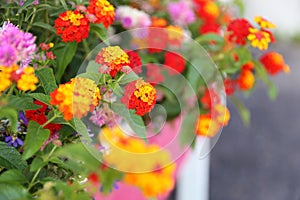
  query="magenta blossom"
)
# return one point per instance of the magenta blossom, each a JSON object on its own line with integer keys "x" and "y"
{"x": 181, "y": 12}
{"x": 16, "y": 46}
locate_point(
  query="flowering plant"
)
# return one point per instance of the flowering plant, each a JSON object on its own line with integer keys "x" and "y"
{"x": 71, "y": 131}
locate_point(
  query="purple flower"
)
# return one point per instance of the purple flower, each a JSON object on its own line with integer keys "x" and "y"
{"x": 34, "y": 3}
{"x": 132, "y": 18}
{"x": 16, "y": 46}
{"x": 13, "y": 141}
{"x": 22, "y": 118}
{"x": 104, "y": 116}
{"x": 181, "y": 12}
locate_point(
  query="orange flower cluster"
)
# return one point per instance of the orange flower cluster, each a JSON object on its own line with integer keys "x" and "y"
{"x": 209, "y": 124}
{"x": 209, "y": 13}
{"x": 103, "y": 10}
{"x": 157, "y": 173}
{"x": 25, "y": 78}
{"x": 76, "y": 98}
{"x": 139, "y": 96}
{"x": 112, "y": 60}
{"x": 246, "y": 79}
{"x": 274, "y": 63}
{"x": 72, "y": 26}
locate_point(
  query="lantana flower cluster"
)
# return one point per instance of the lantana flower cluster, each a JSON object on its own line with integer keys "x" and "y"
{"x": 74, "y": 25}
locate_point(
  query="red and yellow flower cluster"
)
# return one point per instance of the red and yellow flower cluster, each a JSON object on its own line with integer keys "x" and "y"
{"x": 103, "y": 11}
{"x": 76, "y": 98}
{"x": 75, "y": 25}
{"x": 112, "y": 60}
{"x": 217, "y": 117}
{"x": 154, "y": 174}
{"x": 72, "y": 26}
{"x": 241, "y": 31}
{"x": 23, "y": 77}
{"x": 139, "y": 96}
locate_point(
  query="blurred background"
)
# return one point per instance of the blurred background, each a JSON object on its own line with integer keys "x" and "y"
{"x": 261, "y": 162}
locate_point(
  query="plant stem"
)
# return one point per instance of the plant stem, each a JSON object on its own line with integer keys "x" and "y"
{"x": 31, "y": 20}
{"x": 50, "y": 120}
{"x": 32, "y": 183}
{"x": 86, "y": 47}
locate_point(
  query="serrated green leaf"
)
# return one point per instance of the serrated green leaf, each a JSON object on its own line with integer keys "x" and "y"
{"x": 79, "y": 154}
{"x": 66, "y": 55}
{"x": 13, "y": 192}
{"x": 129, "y": 78}
{"x": 35, "y": 138}
{"x": 41, "y": 97}
{"x": 135, "y": 121}
{"x": 116, "y": 89}
{"x": 11, "y": 115}
{"x": 91, "y": 75}
{"x": 47, "y": 79}
{"x": 22, "y": 103}
{"x": 44, "y": 26}
{"x": 10, "y": 158}
{"x": 12, "y": 176}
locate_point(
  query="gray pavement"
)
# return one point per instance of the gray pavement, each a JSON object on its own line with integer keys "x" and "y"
{"x": 262, "y": 162}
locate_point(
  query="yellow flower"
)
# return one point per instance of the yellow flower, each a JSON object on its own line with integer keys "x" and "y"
{"x": 28, "y": 80}
{"x": 146, "y": 165}
{"x": 259, "y": 38}
{"x": 5, "y": 74}
{"x": 76, "y": 98}
{"x": 263, "y": 23}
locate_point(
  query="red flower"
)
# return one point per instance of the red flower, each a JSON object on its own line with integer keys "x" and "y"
{"x": 174, "y": 61}
{"x": 239, "y": 30}
{"x": 229, "y": 86}
{"x": 210, "y": 98}
{"x": 208, "y": 11}
{"x": 157, "y": 40}
{"x": 135, "y": 61}
{"x": 39, "y": 116}
{"x": 139, "y": 96}
{"x": 103, "y": 11}
{"x": 154, "y": 74}
{"x": 246, "y": 80}
{"x": 209, "y": 27}
{"x": 72, "y": 26}
{"x": 274, "y": 63}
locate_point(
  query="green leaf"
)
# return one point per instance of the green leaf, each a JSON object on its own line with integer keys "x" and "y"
{"x": 128, "y": 78}
{"x": 12, "y": 176}
{"x": 44, "y": 26}
{"x": 100, "y": 31}
{"x": 134, "y": 121}
{"x": 11, "y": 115}
{"x": 64, "y": 4}
{"x": 36, "y": 164}
{"x": 206, "y": 38}
{"x": 66, "y": 55}
{"x": 47, "y": 79}
{"x": 41, "y": 97}
{"x": 25, "y": 5}
{"x": 22, "y": 103}
{"x": 35, "y": 138}
{"x": 80, "y": 155}
{"x": 243, "y": 111}
{"x": 273, "y": 91}
{"x": 91, "y": 75}
{"x": 13, "y": 192}
{"x": 244, "y": 55}
{"x": 92, "y": 67}
{"x": 81, "y": 129}
{"x": 10, "y": 158}
{"x": 116, "y": 89}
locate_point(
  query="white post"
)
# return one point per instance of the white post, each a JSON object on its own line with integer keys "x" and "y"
{"x": 193, "y": 180}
